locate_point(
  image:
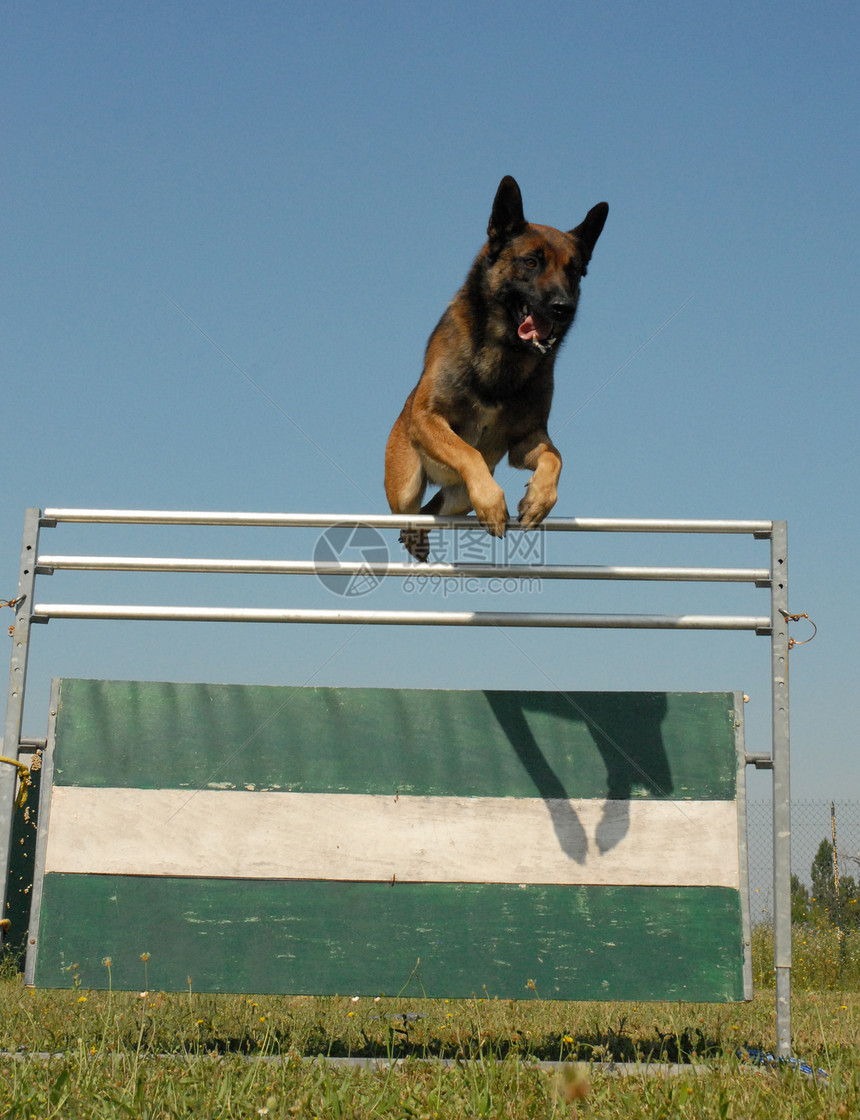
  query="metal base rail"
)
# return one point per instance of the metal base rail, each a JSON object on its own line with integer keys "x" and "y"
{"x": 773, "y": 625}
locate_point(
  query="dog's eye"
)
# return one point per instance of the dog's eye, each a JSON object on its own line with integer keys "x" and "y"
{"x": 530, "y": 262}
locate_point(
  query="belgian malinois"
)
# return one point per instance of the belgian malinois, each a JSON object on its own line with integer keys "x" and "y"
{"x": 487, "y": 384}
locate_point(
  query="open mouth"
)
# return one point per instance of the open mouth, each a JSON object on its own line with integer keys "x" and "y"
{"x": 535, "y": 329}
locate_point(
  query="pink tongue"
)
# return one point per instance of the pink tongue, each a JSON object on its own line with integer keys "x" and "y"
{"x": 534, "y": 327}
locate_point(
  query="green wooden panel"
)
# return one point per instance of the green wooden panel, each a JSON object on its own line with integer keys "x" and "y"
{"x": 315, "y": 936}
{"x": 636, "y": 943}
{"x": 493, "y": 744}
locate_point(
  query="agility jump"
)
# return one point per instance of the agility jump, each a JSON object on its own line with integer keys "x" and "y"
{"x": 583, "y": 779}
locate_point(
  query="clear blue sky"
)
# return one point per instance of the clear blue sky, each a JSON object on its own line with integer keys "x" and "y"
{"x": 228, "y": 230}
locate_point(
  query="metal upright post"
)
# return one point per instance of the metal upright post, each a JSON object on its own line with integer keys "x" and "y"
{"x": 781, "y": 789}
{"x": 15, "y": 702}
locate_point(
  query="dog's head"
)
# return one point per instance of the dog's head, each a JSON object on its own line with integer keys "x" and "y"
{"x": 533, "y": 272}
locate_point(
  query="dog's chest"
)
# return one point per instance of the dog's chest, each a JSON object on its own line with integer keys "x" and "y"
{"x": 485, "y": 427}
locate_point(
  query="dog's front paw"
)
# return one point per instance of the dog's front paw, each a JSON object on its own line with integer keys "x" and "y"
{"x": 536, "y": 504}
{"x": 492, "y": 511}
{"x": 417, "y": 543}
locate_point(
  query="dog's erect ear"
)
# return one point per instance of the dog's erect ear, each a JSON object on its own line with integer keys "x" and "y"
{"x": 507, "y": 218}
{"x": 588, "y": 230}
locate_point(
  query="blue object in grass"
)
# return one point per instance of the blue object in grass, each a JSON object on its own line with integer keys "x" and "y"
{"x": 763, "y": 1058}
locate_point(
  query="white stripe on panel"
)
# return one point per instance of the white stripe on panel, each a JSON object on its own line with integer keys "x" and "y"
{"x": 279, "y": 835}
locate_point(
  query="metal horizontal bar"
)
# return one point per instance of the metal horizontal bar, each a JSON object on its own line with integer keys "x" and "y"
{"x": 397, "y": 521}
{"x": 43, "y": 612}
{"x": 28, "y": 745}
{"x": 759, "y": 761}
{"x": 48, "y": 564}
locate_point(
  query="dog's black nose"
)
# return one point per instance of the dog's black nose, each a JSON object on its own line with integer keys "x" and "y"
{"x": 561, "y": 308}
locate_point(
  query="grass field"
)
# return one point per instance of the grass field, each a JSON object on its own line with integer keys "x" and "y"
{"x": 80, "y": 1053}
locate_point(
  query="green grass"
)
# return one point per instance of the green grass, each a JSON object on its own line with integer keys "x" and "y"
{"x": 155, "y": 1055}
{"x": 821, "y": 960}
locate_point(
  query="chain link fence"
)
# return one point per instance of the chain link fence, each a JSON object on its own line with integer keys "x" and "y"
{"x": 810, "y": 824}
